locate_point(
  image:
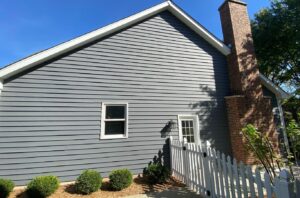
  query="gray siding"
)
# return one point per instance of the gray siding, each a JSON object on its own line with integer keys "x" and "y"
{"x": 50, "y": 115}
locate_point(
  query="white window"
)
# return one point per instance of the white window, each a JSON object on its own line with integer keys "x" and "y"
{"x": 114, "y": 121}
{"x": 188, "y": 126}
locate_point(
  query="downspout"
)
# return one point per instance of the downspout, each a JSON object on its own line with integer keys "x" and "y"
{"x": 286, "y": 141}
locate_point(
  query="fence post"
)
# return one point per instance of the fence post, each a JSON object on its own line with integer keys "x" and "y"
{"x": 284, "y": 187}
{"x": 171, "y": 154}
{"x": 185, "y": 161}
{"x": 207, "y": 172}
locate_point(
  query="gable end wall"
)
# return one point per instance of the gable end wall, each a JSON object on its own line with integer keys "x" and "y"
{"x": 50, "y": 116}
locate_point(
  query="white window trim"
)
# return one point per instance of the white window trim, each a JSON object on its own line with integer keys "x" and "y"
{"x": 103, "y": 113}
{"x": 195, "y": 118}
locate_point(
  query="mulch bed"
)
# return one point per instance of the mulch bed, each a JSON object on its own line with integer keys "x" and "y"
{"x": 139, "y": 186}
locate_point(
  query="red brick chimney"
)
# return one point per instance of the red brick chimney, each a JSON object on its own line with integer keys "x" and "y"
{"x": 246, "y": 105}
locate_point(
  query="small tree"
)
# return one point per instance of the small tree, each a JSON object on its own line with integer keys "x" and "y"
{"x": 293, "y": 132}
{"x": 262, "y": 148}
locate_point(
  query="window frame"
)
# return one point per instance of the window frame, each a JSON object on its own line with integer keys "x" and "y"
{"x": 103, "y": 119}
{"x": 196, "y": 127}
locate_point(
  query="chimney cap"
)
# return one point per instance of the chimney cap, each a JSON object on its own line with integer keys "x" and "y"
{"x": 233, "y": 1}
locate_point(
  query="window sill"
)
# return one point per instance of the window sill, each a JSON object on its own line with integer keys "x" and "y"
{"x": 113, "y": 137}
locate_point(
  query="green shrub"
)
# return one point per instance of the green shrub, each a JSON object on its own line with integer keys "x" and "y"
{"x": 42, "y": 186}
{"x": 89, "y": 181}
{"x": 120, "y": 179}
{"x": 156, "y": 173}
{"x": 6, "y": 187}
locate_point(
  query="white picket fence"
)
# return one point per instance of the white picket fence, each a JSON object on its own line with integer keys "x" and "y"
{"x": 210, "y": 173}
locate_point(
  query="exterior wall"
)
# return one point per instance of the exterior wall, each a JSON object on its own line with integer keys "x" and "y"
{"x": 50, "y": 115}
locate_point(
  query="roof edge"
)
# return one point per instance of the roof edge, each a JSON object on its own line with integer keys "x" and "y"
{"x": 279, "y": 92}
{"x": 199, "y": 29}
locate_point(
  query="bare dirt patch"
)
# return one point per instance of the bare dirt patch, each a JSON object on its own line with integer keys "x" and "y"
{"x": 139, "y": 186}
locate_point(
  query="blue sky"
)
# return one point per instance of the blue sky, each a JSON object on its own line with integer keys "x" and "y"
{"x": 33, "y": 25}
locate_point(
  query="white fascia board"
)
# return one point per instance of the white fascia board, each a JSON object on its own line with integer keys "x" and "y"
{"x": 46, "y": 55}
{"x": 274, "y": 88}
{"x": 79, "y": 41}
{"x": 198, "y": 29}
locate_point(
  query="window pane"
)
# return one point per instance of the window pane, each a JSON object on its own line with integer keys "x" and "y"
{"x": 187, "y": 127}
{"x": 192, "y": 139}
{"x": 183, "y": 131}
{"x": 192, "y": 131}
{"x": 115, "y": 112}
{"x": 183, "y": 123}
{"x": 188, "y": 139}
{"x": 114, "y": 127}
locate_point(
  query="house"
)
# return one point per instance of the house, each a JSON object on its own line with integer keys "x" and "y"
{"x": 112, "y": 97}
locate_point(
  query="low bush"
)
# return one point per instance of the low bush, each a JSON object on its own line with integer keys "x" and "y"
{"x": 89, "y": 181}
{"x": 120, "y": 179}
{"x": 156, "y": 173}
{"x": 42, "y": 186}
{"x": 6, "y": 187}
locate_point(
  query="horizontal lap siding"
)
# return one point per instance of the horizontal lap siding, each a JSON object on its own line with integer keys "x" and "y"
{"x": 50, "y": 116}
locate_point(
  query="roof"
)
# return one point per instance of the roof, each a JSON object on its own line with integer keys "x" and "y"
{"x": 57, "y": 50}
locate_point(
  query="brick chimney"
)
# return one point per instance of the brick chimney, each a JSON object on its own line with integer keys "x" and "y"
{"x": 246, "y": 105}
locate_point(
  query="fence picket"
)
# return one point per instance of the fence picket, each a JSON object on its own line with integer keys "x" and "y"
{"x": 220, "y": 174}
{"x": 188, "y": 163}
{"x": 259, "y": 183}
{"x": 216, "y": 173}
{"x": 196, "y": 169}
{"x": 180, "y": 162}
{"x": 192, "y": 167}
{"x": 268, "y": 185}
{"x": 193, "y": 171}
{"x": 171, "y": 153}
{"x": 225, "y": 175}
{"x": 207, "y": 171}
{"x": 183, "y": 164}
{"x": 231, "y": 179}
{"x": 251, "y": 181}
{"x": 244, "y": 182}
{"x": 202, "y": 181}
{"x": 211, "y": 172}
{"x": 175, "y": 159}
{"x": 237, "y": 178}
{"x": 190, "y": 175}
